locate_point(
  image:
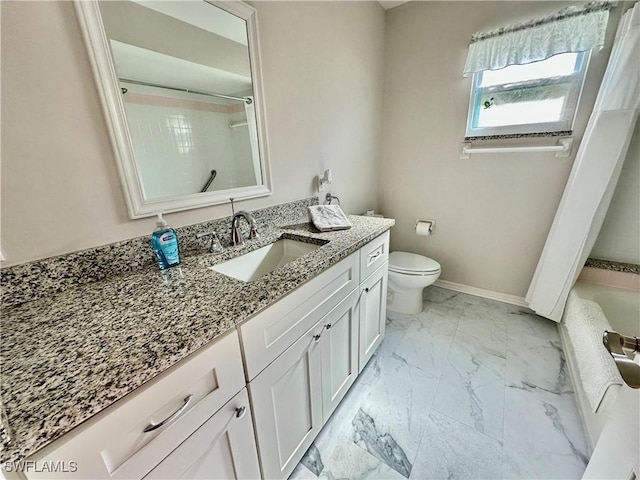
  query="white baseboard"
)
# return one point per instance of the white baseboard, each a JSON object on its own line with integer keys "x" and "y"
{"x": 481, "y": 292}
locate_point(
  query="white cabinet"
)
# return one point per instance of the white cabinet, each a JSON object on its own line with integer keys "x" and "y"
{"x": 339, "y": 353}
{"x": 373, "y": 307}
{"x": 287, "y": 405}
{"x": 222, "y": 448}
{"x": 295, "y": 395}
{"x": 297, "y": 392}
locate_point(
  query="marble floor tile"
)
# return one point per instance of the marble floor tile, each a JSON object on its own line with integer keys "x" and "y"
{"x": 426, "y": 344}
{"x": 450, "y": 449}
{"x": 524, "y": 322}
{"x": 437, "y": 295}
{"x": 476, "y": 362}
{"x": 398, "y": 321}
{"x": 534, "y": 465}
{"x": 482, "y": 312}
{"x": 489, "y": 336}
{"x": 399, "y": 404}
{"x": 395, "y": 331}
{"x": 537, "y": 363}
{"x": 313, "y": 460}
{"x": 376, "y": 440}
{"x": 545, "y": 426}
{"x": 354, "y": 463}
{"x": 461, "y": 306}
{"x": 471, "y": 390}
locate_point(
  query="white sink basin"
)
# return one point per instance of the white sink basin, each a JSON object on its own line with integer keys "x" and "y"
{"x": 253, "y": 265}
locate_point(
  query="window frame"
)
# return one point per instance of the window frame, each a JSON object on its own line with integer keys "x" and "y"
{"x": 535, "y": 129}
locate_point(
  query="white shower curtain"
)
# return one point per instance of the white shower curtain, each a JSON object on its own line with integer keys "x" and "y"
{"x": 594, "y": 174}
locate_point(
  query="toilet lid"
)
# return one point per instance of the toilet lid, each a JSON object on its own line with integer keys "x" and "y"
{"x": 404, "y": 262}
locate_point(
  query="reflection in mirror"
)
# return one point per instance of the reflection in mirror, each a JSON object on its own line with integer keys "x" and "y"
{"x": 184, "y": 76}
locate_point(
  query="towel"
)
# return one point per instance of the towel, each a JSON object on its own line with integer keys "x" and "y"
{"x": 585, "y": 323}
{"x": 328, "y": 217}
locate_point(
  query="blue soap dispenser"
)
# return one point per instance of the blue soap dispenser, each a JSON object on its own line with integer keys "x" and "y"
{"x": 165, "y": 244}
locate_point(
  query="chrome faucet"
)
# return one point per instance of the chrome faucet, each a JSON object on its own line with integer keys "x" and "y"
{"x": 236, "y": 234}
{"x": 623, "y": 350}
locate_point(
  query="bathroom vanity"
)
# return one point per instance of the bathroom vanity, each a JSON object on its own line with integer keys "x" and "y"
{"x": 247, "y": 376}
{"x": 303, "y": 354}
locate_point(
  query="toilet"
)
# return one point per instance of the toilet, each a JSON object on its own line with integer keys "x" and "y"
{"x": 409, "y": 273}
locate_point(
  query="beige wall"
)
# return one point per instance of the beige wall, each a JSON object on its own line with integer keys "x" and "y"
{"x": 493, "y": 212}
{"x": 619, "y": 237}
{"x": 133, "y": 24}
{"x": 323, "y": 72}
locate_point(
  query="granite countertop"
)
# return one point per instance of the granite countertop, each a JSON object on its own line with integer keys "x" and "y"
{"x": 612, "y": 265}
{"x": 66, "y": 357}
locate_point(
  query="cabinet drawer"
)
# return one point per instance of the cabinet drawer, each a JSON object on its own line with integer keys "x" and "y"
{"x": 268, "y": 334}
{"x": 224, "y": 447}
{"x": 374, "y": 254}
{"x": 114, "y": 444}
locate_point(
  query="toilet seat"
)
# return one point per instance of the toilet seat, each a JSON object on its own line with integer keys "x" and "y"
{"x": 412, "y": 264}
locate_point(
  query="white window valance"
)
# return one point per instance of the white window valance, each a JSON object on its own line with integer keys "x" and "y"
{"x": 572, "y": 29}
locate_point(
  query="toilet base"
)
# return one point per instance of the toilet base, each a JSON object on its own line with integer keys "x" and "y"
{"x": 408, "y": 302}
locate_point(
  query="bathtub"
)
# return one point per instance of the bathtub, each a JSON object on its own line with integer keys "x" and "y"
{"x": 621, "y": 307}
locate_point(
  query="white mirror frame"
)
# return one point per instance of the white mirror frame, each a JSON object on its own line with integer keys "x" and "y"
{"x": 101, "y": 59}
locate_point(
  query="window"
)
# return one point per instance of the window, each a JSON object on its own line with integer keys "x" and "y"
{"x": 532, "y": 98}
{"x": 180, "y": 126}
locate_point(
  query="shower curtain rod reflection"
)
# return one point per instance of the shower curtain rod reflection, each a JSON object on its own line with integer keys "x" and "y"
{"x": 246, "y": 100}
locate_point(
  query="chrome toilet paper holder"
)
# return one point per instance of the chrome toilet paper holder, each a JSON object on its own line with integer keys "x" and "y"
{"x": 422, "y": 221}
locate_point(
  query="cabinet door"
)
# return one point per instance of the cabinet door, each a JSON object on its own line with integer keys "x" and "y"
{"x": 339, "y": 352}
{"x": 373, "y": 306}
{"x": 287, "y": 405}
{"x": 223, "y": 447}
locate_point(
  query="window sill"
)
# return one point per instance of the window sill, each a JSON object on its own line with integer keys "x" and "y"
{"x": 563, "y": 133}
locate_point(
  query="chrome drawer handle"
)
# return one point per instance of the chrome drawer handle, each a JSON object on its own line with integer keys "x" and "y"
{"x": 317, "y": 336}
{"x": 373, "y": 256}
{"x": 154, "y": 426}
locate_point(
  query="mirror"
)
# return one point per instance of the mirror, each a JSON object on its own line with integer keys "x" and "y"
{"x": 180, "y": 86}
